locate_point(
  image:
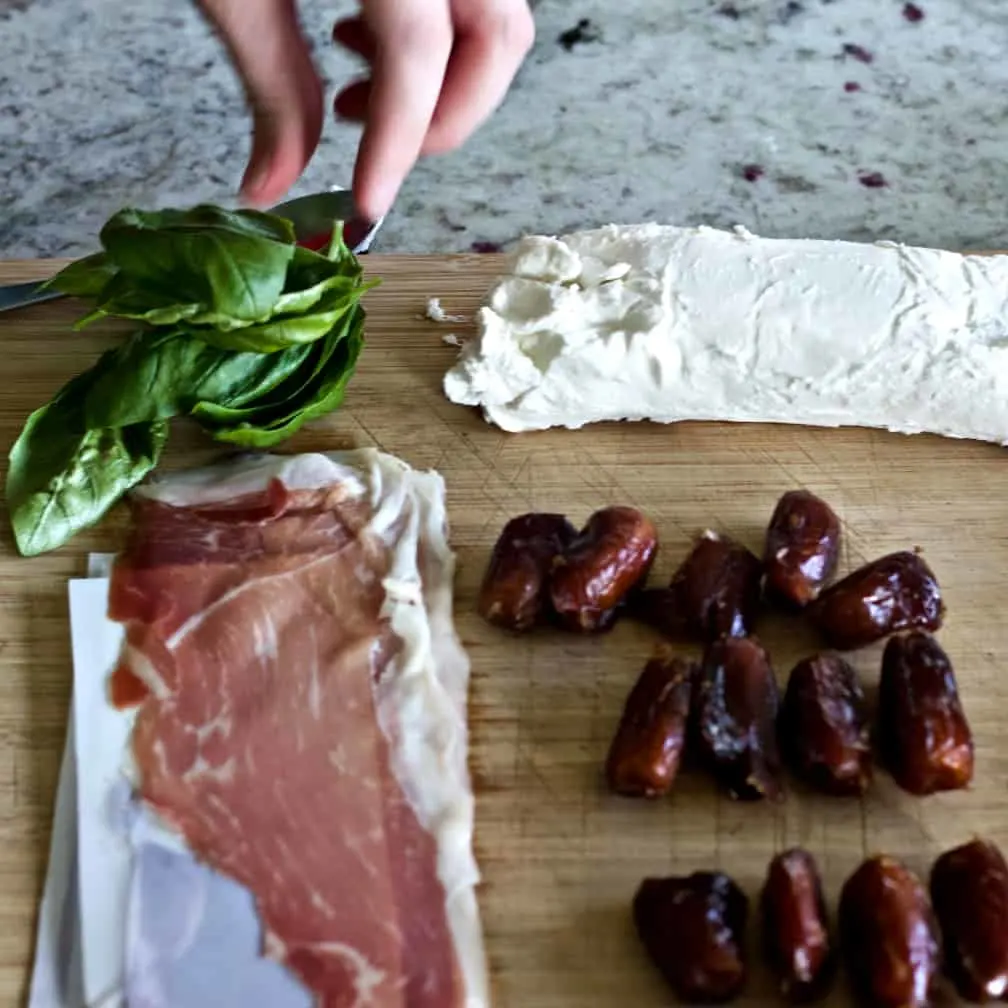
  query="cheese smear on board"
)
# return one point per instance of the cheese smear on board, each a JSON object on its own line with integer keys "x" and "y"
{"x": 653, "y": 322}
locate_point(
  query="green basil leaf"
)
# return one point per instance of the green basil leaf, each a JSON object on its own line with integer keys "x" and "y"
{"x": 163, "y": 374}
{"x": 289, "y": 330}
{"x": 340, "y": 254}
{"x": 61, "y": 480}
{"x": 233, "y": 264}
{"x": 322, "y": 394}
{"x": 247, "y": 332}
{"x": 85, "y": 277}
{"x": 309, "y": 275}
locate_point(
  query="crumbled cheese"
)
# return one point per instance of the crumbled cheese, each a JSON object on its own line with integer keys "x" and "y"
{"x": 436, "y": 313}
{"x": 668, "y": 324}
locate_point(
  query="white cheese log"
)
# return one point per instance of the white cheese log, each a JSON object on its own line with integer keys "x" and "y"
{"x": 660, "y": 323}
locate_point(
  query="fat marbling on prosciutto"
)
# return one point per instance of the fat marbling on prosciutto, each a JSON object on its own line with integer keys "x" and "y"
{"x": 302, "y": 713}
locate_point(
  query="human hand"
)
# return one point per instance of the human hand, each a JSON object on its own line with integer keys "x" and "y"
{"x": 439, "y": 68}
{"x": 284, "y": 90}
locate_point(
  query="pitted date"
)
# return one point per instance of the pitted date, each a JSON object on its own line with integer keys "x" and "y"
{"x": 715, "y": 593}
{"x": 515, "y": 590}
{"x": 802, "y": 548}
{"x": 647, "y": 748}
{"x": 969, "y": 892}
{"x": 796, "y": 939}
{"x": 609, "y": 557}
{"x": 735, "y": 718}
{"x": 823, "y": 728}
{"x": 897, "y": 592}
{"x": 693, "y": 929}
{"x": 923, "y": 735}
{"x": 888, "y": 935}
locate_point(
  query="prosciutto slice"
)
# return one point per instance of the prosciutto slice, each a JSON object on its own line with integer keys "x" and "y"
{"x": 301, "y": 720}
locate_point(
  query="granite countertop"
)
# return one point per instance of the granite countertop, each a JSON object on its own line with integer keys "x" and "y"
{"x": 858, "y": 119}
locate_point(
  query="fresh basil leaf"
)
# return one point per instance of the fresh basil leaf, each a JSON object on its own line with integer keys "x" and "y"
{"x": 121, "y": 298}
{"x": 321, "y": 395}
{"x": 250, "y": 334}
{"x": 167, "y": 373}
{"x": 85, "y": 277}
{"x": 61, "y": 480}
{"x": 340, "y": 254}
{"x": 284, "y": 331}
{"x": 228, "y": 413}
{"x": 233, "y": 264}
{"x": 288, "y": 396}
{"x": 309, "y": 277}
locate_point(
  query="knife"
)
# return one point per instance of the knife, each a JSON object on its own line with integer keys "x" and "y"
{"x": 312, "y": 216}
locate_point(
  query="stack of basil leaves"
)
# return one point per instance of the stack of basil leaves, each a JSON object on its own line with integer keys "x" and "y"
{"x": 243, "y": 330}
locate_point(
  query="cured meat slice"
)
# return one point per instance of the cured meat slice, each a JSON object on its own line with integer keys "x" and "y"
{"x": 302, "y": 713}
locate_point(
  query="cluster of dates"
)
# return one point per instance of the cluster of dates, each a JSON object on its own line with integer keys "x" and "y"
{"x": 892, "y": 938}
{"x": 728, "y": 706}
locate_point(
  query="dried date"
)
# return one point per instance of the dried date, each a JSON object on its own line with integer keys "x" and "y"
{"x": 969, "y": 892}
{"x": 796, "y": 939}
{"x": 896, "y": 592}
{"x": 647, "y": 748}
{"x": 923, "y": 735}
{"x": 888, "y": 935}
{"x": 609, "y": 557}
{"x": 693, "y": 929}
{"x": 823, "y": 728}
{"x": 802, "y": 548}
{"x": 515, "y": 590}
{"x": 735, "y": 718}
{"x": 715, "y": 593}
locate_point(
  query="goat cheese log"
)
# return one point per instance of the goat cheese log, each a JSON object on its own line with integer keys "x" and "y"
{"x": 650, "y": 322}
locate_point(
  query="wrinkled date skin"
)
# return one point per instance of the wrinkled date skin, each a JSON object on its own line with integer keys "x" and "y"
{"x": 923, "y": 735}
{"x": 823, "y": 728}
{"x": 610, "y": 556}
{"x": 802, "y": 548}
{"x": 897, "y": 592}
{"x": 796, "y": 939}
{"x": 646, "y": 751}
{"x": 734, "y": 718}
{"x": 888, "y": 935}
{"x": 969, "y": 892}
{"x": 693, "y": 929}
{"x": 515, "y": 589}
{"x": 715, "y": 593}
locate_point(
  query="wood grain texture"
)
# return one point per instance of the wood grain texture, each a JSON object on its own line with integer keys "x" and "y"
{"x": 561, "y": 858}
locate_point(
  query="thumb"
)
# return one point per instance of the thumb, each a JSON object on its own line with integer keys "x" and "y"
{"x": 283, "y": 89}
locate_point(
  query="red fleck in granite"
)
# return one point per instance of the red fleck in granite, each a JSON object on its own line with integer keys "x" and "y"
{"x": 752, "y": 172}
{"x": 912, "y": 13}
{"x": 858, "y": 52}
{"x": 872, "y": 180}
{"x": 851, "y": 86}
{"x": 484, "y": 246}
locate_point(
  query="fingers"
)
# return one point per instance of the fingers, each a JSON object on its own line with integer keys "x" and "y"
{"x": 413, "y": 43}
{"x": 492, "y": 40}
{"x": 282, "y": 86}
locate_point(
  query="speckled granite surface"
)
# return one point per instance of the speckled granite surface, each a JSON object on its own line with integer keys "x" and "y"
{"x": 821, "y": 118}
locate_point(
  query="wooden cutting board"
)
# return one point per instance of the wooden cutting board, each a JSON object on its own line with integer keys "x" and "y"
{"x": 561, "y": 858}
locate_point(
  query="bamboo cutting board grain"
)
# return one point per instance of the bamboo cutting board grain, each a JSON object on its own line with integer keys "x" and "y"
{"x": 561, "y": 859}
